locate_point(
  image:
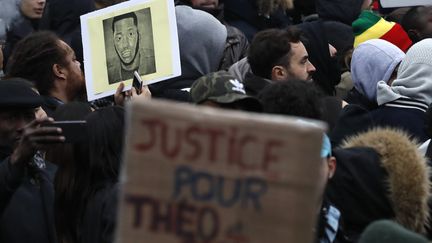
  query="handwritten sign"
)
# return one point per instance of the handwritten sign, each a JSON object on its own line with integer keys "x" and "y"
{"x": 404, "y": 3}
{"x": 195, "y": 175}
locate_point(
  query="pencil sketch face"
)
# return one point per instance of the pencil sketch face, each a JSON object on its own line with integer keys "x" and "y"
{"x": 126, "y": 40}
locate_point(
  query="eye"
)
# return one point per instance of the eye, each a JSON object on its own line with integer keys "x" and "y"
{"x": 131, "y": 34}
{"x": 118, "y": 38}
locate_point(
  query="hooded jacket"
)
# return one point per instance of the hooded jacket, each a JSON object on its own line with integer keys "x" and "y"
{"x": 338, "y": 16}
{"x": 409, "y": 95}
{"x": 374, "y": 61}
{"x": 328, "y": 72}
{"x": 345, "y": 11}
{"x": 202, "y": 40}
{"x": 414, "y": 78}
{"x": 380, "y": 175}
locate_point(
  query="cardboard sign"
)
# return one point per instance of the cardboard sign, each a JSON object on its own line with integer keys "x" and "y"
{"x": 203, "y": 175}
{"x": 404, "y": 3}
{"x": 138, "y": 35}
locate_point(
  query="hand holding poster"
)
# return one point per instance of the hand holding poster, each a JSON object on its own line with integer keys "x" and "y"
{"x": 404, "y": 3}
{"x": 198, "y": 175}
{"x": 127, "y": 37}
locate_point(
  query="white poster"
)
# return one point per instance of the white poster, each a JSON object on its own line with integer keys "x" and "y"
{"x": 404, "y": 3}
{"x": 132, "y": 36}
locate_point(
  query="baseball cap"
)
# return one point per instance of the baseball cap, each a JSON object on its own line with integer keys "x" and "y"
{"x": 223, "y": 88}
{"x": 18, "y": 93}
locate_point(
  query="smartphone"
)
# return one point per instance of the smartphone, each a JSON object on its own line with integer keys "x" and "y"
{"x": 137, "y": 82}
{"x": 73, "y": 131}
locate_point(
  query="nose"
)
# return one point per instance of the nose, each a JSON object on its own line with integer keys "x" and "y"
{"x": 123, "y": 43}
{"x": 310, "y": 68}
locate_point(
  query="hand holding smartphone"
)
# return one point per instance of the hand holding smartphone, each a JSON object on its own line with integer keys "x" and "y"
{"x": 137, "y": 82}
{"x": 73, "y": 131}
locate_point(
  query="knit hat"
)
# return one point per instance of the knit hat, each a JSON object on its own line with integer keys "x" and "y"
{"x": 371, "y": 26}
{"x": 414, "y": 78}
{"x": 223, "y": 88}
{"x": 373, "y": 61}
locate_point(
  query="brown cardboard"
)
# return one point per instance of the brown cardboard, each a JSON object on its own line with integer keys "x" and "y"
{"x": 194, "y": 174}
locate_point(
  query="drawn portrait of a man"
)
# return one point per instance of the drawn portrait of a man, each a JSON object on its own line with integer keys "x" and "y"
{"x": 129, "y": 45}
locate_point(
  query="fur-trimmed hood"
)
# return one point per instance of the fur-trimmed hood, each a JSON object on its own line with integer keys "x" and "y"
{"x": 408, "y": 184}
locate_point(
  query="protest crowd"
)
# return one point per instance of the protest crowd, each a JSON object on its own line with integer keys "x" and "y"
{"x": 364, "y": 70}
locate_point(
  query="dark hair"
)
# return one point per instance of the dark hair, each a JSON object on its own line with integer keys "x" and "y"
{"x": 107, "y": 3}
{"x": 125, "y": 16}
{"x": 105, "y": 130}
{"x": 413, "y": 20}
{"x": 270, "y": 48}
{"x": 33, "y": 59}
{"x": 87, "y": 167}
{"x": 293, "y": 97}
{"x": 69, "y": 158}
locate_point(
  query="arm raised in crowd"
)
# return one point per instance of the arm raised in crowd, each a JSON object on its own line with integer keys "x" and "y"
{"x": 33, "y": 137}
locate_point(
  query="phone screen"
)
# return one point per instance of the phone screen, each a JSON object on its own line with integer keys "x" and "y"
{"x": 137, "y": 82}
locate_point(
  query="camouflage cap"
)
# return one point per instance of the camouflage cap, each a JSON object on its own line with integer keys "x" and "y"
{"x": 220, "y": 87}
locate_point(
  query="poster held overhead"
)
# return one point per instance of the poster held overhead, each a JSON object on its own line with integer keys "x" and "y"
{"x": 404, "y": 3}
{"x": 131, "y": 36}
{"x": 197, "y": 174}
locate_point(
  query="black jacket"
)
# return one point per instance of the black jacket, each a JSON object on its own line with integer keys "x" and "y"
{"x": 344, "y": 11}
{"x": 328, "y": 72}
{"x": 26, "y": 201}
{"x": 19, "y": 29}
{"x": 99, "y": 219}
{"x": 244, "y": 15}
{"x": 406, "y": 114}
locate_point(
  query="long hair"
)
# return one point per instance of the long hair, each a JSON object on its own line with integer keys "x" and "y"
{"x": 68, "y": 158}
{"x": 85, "y": 168}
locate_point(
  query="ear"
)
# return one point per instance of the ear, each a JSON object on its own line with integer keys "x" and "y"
{"x": 59, "y": 71}
{"x": 279, "y": 73}
{"x": 332, "y": 166}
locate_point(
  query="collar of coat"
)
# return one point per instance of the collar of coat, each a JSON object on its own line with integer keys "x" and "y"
{"x": 408, "y": 174}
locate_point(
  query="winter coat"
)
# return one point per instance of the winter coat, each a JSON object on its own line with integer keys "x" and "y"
{"x": 236, "y": 48}
{"x": 338, "y": 16}
{"x": 380, "y": 175}
{"x": 99, "y": 218}
{"x": 244, "y": 15}
{"x": 26, "y": 203}
{"x": 344, "y": 11}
